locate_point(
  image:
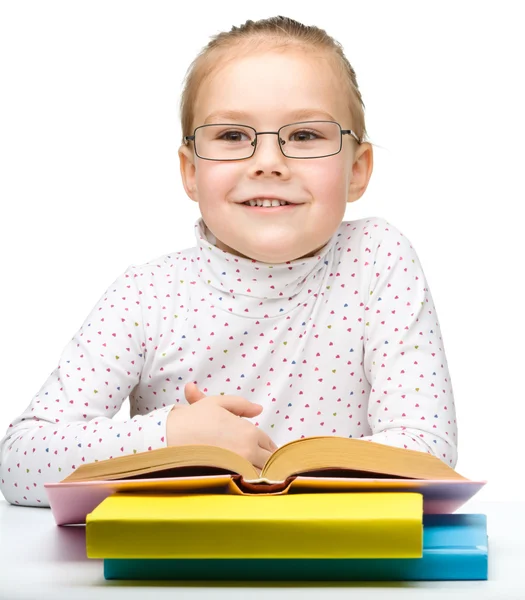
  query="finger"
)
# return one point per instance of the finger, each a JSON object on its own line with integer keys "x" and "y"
{"x": 260, "y": 457}
{"x": 266, "y": 442}
{"x": 238, "y": 405}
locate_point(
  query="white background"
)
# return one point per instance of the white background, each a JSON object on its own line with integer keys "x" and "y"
{"x": 90, "y": 180}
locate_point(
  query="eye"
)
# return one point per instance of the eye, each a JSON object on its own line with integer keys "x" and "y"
{"x": 302, "y": 133}
{"x": 232, "y": 136}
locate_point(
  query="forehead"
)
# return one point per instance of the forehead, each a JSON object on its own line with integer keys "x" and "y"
{"x": 271, "y": 88}
{"x": 243, "y": 116}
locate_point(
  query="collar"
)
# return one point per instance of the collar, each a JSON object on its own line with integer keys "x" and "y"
{"x": 255, "y": 289}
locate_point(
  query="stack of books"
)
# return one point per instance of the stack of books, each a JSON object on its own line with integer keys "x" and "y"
{"x": 322, "y": 509}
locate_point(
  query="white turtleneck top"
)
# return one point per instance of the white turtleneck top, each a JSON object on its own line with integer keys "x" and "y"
{"x": 345, "y": 342}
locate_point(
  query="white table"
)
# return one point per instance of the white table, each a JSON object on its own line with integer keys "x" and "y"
{"x": 39, "y": 560}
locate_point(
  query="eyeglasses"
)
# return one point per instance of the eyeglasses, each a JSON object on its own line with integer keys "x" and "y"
{"x": 306, "y": 139}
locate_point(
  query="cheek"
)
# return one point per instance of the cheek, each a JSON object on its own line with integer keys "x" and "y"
{"x": 326, "y": 181}
{"x": 215, "y": 179}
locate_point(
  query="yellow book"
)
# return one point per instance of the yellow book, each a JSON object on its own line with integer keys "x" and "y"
{"x": 331, "y": 525}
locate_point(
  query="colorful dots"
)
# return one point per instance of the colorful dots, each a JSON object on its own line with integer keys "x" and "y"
{"x": 333, "y": 336}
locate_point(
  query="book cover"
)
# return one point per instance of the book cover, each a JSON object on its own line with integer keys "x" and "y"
{"x": 335, "y": 525}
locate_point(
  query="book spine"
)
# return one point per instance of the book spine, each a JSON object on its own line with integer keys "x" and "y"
{"x": 439, "y": 566}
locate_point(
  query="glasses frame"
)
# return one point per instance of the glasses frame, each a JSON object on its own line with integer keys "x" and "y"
{"x": 188, "y": 138}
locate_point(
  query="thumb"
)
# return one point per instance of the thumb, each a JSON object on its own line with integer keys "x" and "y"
{"x": 192, "y": 393}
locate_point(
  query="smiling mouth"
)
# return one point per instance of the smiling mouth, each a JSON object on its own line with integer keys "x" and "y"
{"x": 273, "y": 205}
{"x": 280, "y": 208}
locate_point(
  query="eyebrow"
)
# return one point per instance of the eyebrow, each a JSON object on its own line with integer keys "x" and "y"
{"x": 237, "y": 115}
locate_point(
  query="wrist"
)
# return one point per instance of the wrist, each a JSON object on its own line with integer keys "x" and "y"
{"x": 172, "y": 433}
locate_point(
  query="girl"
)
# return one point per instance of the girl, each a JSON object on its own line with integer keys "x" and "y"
{"x": 282, "y": 314}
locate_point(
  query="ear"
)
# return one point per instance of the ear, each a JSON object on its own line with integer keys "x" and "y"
{"x": 187, "y": 171}
{"x": 361, "y": 171}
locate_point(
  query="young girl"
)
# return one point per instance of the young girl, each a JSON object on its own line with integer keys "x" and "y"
{"x": 283, "y": 321}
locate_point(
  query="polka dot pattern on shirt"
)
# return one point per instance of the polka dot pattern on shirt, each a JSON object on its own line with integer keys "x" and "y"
{"x": 345, "y": 342}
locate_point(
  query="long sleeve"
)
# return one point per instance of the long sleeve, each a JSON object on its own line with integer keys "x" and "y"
{"x": 411, "y": 402}
{"x": 69, "y": 421}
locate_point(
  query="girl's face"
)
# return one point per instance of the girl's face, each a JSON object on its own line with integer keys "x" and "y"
{"x": 269, "y": 88}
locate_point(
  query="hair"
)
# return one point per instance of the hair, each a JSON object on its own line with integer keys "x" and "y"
{"x": 280, "y": 34}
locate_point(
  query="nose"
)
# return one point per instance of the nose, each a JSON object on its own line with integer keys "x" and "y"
{"x": 268, "y": 155}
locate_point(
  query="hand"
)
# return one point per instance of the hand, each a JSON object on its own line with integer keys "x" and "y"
{"x": 214, "y": 420}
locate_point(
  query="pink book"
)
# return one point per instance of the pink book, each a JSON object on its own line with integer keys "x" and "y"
{"x": 70, "y": 502}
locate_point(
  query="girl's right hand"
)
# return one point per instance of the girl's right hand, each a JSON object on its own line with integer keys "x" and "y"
{"x": 214, "y": 420}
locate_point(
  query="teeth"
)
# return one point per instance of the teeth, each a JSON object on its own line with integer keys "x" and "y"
{"x": 266, "y": 202}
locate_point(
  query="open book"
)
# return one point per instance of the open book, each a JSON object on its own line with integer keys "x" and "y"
{"x": 322, "y": 455}
{"x": 308, "y": 465}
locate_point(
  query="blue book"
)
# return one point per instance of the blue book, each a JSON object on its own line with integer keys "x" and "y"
{"x": 455, "y": 547}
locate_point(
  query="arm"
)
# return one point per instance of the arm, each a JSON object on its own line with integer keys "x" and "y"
{"x": 69, "y": 421}
{"x": 411, "y": 403}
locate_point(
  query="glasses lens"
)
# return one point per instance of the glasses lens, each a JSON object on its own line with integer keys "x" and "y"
{"x": 309, "y": 139}
{"x": 224, "y": 142}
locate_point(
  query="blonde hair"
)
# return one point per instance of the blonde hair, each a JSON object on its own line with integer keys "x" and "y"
{"x": 279, "y": 34}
